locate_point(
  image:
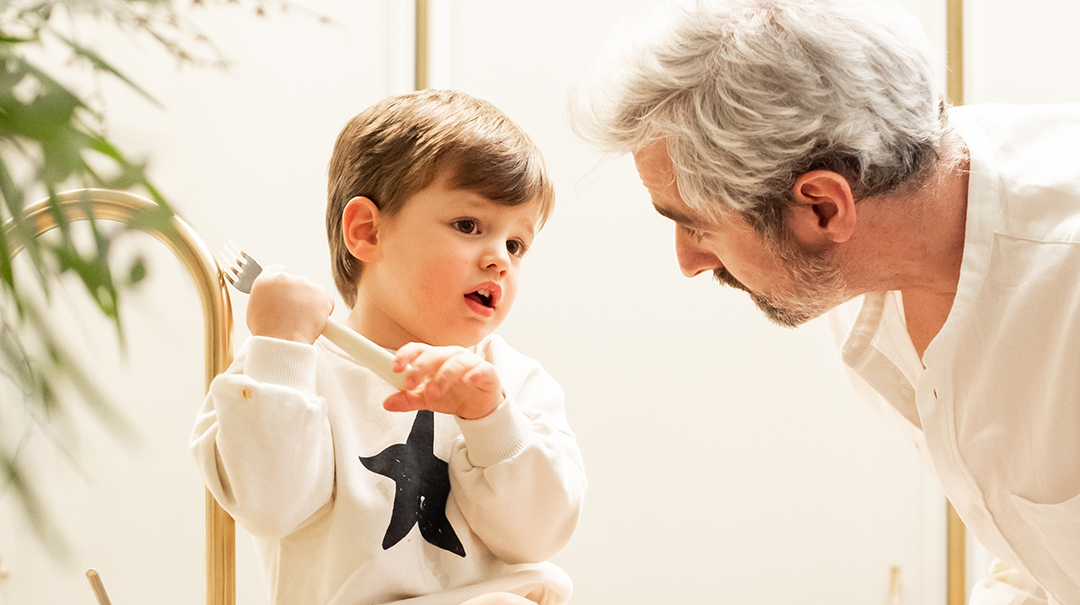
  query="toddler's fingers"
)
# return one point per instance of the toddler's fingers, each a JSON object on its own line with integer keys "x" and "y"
{"x": 449, "y": 372}
{"x": 482, "y": 377}
{"x": 407, "y": 354}
{"x": 402, "y": 401}
{"x": 412, "y": 350}
{"x": 271, "y": 272}
{"x": 430, "y": 359}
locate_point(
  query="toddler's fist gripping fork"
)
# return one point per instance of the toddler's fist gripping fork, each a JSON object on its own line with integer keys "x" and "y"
{"x": 240, "y": 270}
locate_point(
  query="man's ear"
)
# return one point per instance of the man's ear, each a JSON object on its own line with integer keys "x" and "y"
{"x": 824, "y": 212}
{"x": 360, "y": 228}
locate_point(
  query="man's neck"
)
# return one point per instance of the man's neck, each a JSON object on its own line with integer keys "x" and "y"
{"x": 915, "y": 244}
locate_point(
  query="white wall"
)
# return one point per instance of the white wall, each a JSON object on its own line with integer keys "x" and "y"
{"x": 1022, "y": 52}
{"x": 1019, "y": 53}
{"x": 728, "y": 460}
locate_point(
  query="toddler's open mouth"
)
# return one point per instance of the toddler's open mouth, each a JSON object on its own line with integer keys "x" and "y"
{"x": 484, "y": 297}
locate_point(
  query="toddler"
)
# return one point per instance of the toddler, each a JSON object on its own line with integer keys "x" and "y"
{"x": 459, "y": 487}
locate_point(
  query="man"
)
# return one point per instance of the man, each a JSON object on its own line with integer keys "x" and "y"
{"x": 806, "y": 154}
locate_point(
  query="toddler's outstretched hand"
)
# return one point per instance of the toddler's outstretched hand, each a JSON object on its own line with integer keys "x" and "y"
{"x": 449, "y": 380}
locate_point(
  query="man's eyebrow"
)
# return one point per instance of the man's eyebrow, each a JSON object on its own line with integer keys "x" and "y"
{"x": 676, "y": 216}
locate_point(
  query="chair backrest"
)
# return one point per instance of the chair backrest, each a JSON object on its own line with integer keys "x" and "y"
{"x": 123, "y": 207}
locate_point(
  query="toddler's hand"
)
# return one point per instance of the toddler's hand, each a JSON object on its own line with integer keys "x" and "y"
{"x": 286, "y": 306}
{"x": 449, "y": 380}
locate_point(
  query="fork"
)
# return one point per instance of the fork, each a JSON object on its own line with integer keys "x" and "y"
{"x": 240, "y": 270}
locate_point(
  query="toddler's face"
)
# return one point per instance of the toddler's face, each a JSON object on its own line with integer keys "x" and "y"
{"x": 448, "y": 265}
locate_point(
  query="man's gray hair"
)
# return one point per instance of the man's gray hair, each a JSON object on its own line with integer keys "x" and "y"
{"x": 748, "y": 95}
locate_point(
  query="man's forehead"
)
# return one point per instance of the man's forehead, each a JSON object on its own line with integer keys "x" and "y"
{"x": 654, "y": 164}
{"x": 655, "y": 170}
{"x": 658, "y": 175}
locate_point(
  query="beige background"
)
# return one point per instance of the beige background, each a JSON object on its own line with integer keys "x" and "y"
{"x": 728, "y": 460}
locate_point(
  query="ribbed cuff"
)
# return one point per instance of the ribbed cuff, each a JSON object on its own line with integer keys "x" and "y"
{"x": 281, "y": 362}
{"x": 496, "y": 437}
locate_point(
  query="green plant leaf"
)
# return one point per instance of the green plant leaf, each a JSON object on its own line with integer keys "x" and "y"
{"x": 101, "y": 65}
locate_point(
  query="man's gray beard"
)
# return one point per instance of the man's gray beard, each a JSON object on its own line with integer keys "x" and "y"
{"x": 817, "y": 286}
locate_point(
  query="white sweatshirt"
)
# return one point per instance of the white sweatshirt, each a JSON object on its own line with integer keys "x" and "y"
{"x": 354, "y": 505}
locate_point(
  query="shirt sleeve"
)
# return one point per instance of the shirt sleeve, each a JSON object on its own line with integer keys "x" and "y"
{"x": 517, "y": 474}
{"x": 262, "y": 438}
{"x": 1007, "y": 586}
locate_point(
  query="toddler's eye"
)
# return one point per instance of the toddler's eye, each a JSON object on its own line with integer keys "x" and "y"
{"x": 516, "y": 247}
{"x": 466, "y": 225}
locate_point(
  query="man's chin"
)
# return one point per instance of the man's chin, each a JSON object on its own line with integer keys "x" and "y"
{"x": 816, "y": 296}
{"x": 785, "y": 317}
{"x": 785, "y": 314}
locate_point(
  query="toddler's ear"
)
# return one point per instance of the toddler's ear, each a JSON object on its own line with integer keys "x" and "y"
{"x": 359, "y": 226}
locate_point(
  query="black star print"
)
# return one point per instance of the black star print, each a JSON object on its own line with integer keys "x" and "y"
{"x": 423, "y": 485}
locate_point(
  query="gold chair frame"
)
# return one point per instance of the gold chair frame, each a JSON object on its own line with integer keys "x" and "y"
{"x": 123, "y": 207}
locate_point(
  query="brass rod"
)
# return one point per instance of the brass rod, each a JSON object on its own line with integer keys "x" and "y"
{"x": 956, "y": 534}
{"x": 420, "y": 75}
{"x": 98, "y": 587}
{"x": 123, "y": 207}
{"x": 954, "y": 47}
{"x": 956, "y": 539}
{"x": 956, "y": 558}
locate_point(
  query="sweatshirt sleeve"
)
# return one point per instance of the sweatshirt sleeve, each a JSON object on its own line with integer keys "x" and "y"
{"x": 517, "y": 473}
{"x": 262, "y": 439}
{"x": 1007, "y": 586}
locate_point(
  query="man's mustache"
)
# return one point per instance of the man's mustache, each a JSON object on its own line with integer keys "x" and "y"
{"x": 725, "y": 277}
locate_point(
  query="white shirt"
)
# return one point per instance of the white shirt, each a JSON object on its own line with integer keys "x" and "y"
{"x": 995, "y": 413}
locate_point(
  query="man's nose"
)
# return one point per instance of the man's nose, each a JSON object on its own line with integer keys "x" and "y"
{"x": 693, "y": 259}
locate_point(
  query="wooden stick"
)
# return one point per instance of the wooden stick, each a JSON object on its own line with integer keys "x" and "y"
{"x": 99, "y": 588}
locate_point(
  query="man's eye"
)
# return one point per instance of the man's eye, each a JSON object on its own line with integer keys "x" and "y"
{"x": 694, "y": 233}
{"x": 516, "y": 247}
{"x": 466, "y": 225}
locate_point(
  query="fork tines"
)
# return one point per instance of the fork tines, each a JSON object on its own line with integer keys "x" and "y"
{"x": 238, "y": 267}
